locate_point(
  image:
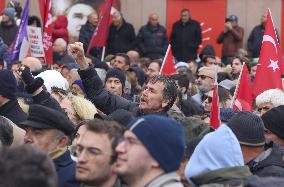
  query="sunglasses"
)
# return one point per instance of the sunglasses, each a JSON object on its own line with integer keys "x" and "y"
{"x": 203, "y": 77}
{"x": 208, "y": 98}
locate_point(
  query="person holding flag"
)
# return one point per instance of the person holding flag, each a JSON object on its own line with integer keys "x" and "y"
{"x": 99, "y": 36}
{"x": 87, "y": 31}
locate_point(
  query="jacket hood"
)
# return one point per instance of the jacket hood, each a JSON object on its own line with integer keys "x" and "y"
{"x": 61, "y": 22}
{"x": 219, "y": 149}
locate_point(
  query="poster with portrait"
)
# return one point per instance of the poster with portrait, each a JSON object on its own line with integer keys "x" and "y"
{"x": 77, "y": 12}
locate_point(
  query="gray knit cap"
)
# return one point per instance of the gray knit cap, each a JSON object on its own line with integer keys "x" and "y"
{"x": 248, "y": 128}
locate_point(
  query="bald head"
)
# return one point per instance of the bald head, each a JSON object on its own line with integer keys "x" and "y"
{"x": 60, "y": 45}
{"x": 153, "y": 19}
{"x": 134, "y": 56}
{"x": 33, "y": 63}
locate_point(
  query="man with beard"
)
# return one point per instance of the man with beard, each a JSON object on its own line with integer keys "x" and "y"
{"x": 8, "y": 27}
{"x": 205, "y": 82}
{"x": 158, "y": 96}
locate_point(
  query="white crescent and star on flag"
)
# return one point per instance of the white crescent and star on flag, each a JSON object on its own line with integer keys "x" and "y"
{"x": 273, "y": 63}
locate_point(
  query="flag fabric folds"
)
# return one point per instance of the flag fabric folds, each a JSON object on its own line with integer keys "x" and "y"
{"x": 20, "y": 44}
{"x": 100, "y": 35}
{"x": 243, "y": 97}
{"x": 215, "y": 121}
{"x": 168, "y": 65}
{"x": 268, "y": 73}
{"x": 46, "y": 8}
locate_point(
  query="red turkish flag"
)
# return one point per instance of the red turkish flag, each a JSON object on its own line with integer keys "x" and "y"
{"x": 46, "y": 13}
{"x": 243, "y": 97}
{"x": 101, "y": 33}
{"x": 268, "y": 73}
{"x": 215, "y": 121}
{"x": 168, "y": 66}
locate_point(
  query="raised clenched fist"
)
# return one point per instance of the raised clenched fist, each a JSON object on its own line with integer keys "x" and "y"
{"x": 77, "y": 51}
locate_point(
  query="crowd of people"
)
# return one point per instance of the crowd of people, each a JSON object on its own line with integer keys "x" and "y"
{"x": 119, "y": 122}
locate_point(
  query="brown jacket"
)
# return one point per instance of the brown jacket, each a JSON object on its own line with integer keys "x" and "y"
{"x": 232, "y": 41}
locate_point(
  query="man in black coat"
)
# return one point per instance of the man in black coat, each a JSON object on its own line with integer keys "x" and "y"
{"x": 87, "y": 31}
{"x": 152, "y": 39}
{"x": 255, "y": 38}
{"x": 121, "y": 36}
{"x": 9, "y": 106}
{"x": 158, "y": 96}
{"x": 186, "y": 37}
{"x": 49, "y": 130}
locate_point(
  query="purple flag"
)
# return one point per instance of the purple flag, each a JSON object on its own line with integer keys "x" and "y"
{"x": 21, "y": 35}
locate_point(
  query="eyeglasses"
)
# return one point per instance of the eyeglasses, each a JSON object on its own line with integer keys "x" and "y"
{"x": 90, "y": 152}
{"x": 265, "y": 108}
{"x": 128, "y": 142}
{"x": 203, "y": 77}
{"x": 209, "y": 98}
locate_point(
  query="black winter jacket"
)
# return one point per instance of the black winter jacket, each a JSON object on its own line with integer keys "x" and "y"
{"x": 152, "y": 41}
{"x": 255, "y": 40}
{"x": 85, "y": 36}
{"x": 8, "y": 33}
{"x": 13, "y": 111}
{"x": 103, "y": 99}
{"x": 121, "y": 40}
{"x": 185, "y": 40}
{"x": 272, "y": 165}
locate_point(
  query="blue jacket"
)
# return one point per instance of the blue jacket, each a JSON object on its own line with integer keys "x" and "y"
{"x": 66, "y": 168}
{"x": 219, "y": 149}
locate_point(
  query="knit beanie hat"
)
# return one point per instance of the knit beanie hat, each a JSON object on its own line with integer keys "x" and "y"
{"x": 8, "y": 84}
{"x": 163, "y": 137}
{"x": 79, "y": 82}
{"x": 117, "y": 73}
{"x": 274, "y": 121}
{"x": 248, "y": 128}
{"x": 10, "y": 12}
{"x": 227, "y": 113}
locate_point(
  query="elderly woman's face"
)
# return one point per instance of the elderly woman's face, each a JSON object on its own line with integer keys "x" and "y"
{"x": 264, "y": 107}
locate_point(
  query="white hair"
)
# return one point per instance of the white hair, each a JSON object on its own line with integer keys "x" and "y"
{"x": 273, "y": 96}
{"x": 61, "y": 42}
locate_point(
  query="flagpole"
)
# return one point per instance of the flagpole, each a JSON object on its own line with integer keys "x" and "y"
{"x": 237, "y": 87}
{"x": 103, "y": 53}
{"x": 164, "y": 59}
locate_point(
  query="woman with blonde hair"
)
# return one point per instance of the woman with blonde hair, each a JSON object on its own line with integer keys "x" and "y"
{"x": 76, "y": 107}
